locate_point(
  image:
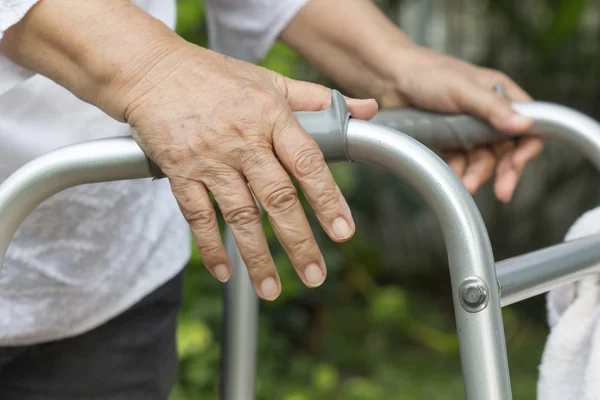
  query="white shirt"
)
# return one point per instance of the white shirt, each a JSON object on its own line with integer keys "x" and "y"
{"x": 90, "y": 252}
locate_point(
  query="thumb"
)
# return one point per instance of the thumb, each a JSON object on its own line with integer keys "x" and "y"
{"x": 306, "y": 96}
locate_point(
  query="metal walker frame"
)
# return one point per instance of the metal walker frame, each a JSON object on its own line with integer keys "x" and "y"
{"x": 398, "y": 142}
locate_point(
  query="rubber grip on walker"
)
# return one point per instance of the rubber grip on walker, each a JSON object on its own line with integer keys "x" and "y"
{"x": 440, "y": 131}
{"x": 328, "y": 127}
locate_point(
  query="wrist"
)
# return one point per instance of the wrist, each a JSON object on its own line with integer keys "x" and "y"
{"x": 350, "y": 41}
{"x": 95, "y": 49}
{"x": 116, "y": 89}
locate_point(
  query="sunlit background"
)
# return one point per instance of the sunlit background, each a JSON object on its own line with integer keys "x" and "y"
{"x": 382, "y": 326}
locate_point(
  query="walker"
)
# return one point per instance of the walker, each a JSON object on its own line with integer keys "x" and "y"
{"x": 397, "y": 141}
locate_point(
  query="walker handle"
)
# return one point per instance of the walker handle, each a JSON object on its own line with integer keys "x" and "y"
{"x": 436, "y": 131}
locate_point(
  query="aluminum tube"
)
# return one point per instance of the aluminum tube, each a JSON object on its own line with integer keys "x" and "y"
{"x": 95, "y": 161}
{"x": 551, "y": 120}
{"x": 481, "y": 334}
{"x": 538, "y": 272}
{"x": 577, "y": 130}
{"x": 240, "y": 330}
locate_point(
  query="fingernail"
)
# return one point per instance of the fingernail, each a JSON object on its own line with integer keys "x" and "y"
{"x": 341, "y": 228}
{"x": 314, "y": 275}
{"x": 355, "y": 100}
{"x": 269, "y": 289}
{"x": 221, "y": 272}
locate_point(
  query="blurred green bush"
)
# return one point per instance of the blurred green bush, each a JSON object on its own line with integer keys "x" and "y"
{"x": 369, "y": 333}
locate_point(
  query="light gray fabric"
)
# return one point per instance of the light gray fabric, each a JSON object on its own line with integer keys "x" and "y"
{"x": 89, "y": 253}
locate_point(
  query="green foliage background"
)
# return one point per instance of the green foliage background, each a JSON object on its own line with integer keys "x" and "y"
{"x": 368, "y": 334}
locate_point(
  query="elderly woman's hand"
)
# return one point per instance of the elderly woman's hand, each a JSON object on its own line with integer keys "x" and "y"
{"x": 217, "y": 125}
{"x": 213, "y": 124}
{"x": 363, "y": 51}
{"x": 432, "y": 81}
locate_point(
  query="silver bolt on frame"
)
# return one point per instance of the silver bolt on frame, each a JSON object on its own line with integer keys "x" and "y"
{"x": 473, "y": 294}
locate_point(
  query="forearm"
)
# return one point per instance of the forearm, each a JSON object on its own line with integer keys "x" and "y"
{"x": 346, "y": 39}
{"x": 94, "y": 48}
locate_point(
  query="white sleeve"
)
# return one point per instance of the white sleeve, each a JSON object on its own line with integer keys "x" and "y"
{"x": 11, "y": 12}
{"x": 246, "y": 29}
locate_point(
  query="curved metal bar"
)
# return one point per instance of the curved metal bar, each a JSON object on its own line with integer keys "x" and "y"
{"x": 481, "y": 334}
{"x": 95, "y": 161}
{"x": 121, "y": 158}
{"x": 574, "y": 128}
{"x": 541, "y": 271}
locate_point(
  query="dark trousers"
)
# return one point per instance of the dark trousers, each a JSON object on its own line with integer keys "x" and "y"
{"x": 131, "y": 357}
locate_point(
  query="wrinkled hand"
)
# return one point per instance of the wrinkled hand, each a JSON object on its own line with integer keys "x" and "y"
{"x": 428, "y": 80}
{"x": 217, "y": 125}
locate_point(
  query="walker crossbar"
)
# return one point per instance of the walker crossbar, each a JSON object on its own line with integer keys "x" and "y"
{"x": 479, "y": 286}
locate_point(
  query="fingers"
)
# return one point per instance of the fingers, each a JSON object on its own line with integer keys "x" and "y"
{"x": 303, "y": 158}
{"x": 513, "y": 161}
{"x": 244, "y": 219}
{"x": 481, "y": 162}
{"x": 276, "y": 192}
{"x": 306, "y": 96}
{"x": 500, "y": 149}
{"x": 513, "y": 91}
{"x": 457, "y": 161}
{"x": 199, "y": 212}
{"x": 486, "y": 104}
{"x": 392, "y": 99}
{"x": 476, "y": 168}
{"x": 511, "y": 166}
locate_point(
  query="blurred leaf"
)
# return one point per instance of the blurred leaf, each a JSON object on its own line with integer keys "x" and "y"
{"x": 193, "y": 338}
{"x": 388, "y": 304}
{"x": 325, "y": 377}
{"x": 362, "y": 389}
{"x": 567, "y": 19}
{"x": 298, "y": 396}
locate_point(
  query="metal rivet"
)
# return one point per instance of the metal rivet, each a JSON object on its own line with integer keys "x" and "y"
{"x": 473, "y": 294}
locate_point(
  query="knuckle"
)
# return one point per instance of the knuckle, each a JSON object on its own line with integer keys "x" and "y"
{"x": 281, "y": 82}
{"x": 209, "y": 249}
{"x": 202, "y": 220}
{"x": 245, "y": 126}
{"x": 491, "y": 77}
{"x": 257, "y": 262}
{"x": 282, "y": 198}
{"x": 271, "y": 103}
{"x": 309, "y": 160}
{"x": 243, "y": 216}
{"x": 327, "y": 200}
{"x": 256, "y": 156}
{"x": 302, "y": 246}
{"x": 270, "y": 107}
